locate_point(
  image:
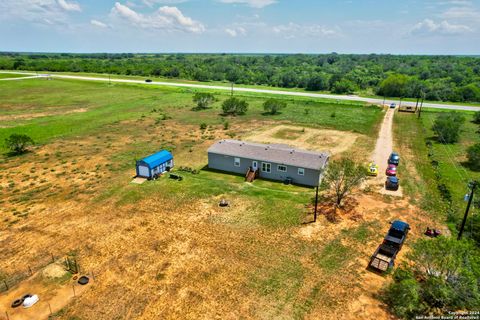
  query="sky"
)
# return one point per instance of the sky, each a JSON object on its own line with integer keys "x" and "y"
{"x": 242, "y": 26}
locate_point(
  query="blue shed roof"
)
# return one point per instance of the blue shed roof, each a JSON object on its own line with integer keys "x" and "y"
{"x": 158, "y": 158}
{"x": 400, "y": 225}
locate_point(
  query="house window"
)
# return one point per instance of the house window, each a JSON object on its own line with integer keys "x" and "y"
{"x": 301, "y": 171}
{"x": 236, "y": 162}
{"x": 266, "y": 167}
{"x": 282, "y": 168}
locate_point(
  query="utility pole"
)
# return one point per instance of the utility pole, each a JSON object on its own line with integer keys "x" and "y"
{"x": 470, "y": 199}
{"x": 316, "y": 206}
{"x": 421, "y": 106}
{"x": 383, "y": 105}
{"x": 231, "y": 93}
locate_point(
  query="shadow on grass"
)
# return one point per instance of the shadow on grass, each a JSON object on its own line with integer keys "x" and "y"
{"x": 13, "y": 154}
{"x": 470, "y": 166}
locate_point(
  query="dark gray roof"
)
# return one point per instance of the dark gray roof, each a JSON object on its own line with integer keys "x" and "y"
{"x": 279, "y": 154}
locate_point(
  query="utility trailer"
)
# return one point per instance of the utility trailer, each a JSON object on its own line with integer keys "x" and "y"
{"x": 383, "y": 258}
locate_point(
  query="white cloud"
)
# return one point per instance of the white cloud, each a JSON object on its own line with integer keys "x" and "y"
{"x": 72, "y": 6}
{"x": 293, "y": 30}
{"x": 430, "y": 27}
{"x": 38, "y": 11}
{"x": 252, "y": 3}
{"x": 99, "y": 24}
{"x": 465, "y": 12}
{"x": 234, "y": 32}
{"x": 151, "y": 3}
{"x": 165, "y": 18}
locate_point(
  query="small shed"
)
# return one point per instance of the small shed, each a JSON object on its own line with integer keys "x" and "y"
{"x": 154, "y": 164}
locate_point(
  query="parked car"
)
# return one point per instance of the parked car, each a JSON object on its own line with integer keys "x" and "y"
{"x": 372, "y": 169}
{"x": 148, "y": 80}
{"x": 391, "y": 170}
{"x": 393, "y": 106}
{"x": 394, "y": 158}
{"x": 392, "y": 183}
{"x": 397, "y": 234}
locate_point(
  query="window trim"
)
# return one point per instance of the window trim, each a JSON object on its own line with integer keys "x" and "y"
{"x": 283, "y": 166}
{"x": 302, "y": 170}
{"x": 267, "y": 164}
{"x": 235, "y": 162}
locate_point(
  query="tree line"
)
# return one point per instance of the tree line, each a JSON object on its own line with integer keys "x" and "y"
{"x": 442, "y": 78}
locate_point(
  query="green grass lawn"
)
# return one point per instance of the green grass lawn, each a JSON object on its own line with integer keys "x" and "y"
{"x": 11, "y": 75}
{"x": 451, "y": 157}
{"x": 106, "y": 104}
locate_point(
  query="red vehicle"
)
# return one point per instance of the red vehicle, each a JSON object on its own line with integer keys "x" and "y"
{"x": 391, "y": 170}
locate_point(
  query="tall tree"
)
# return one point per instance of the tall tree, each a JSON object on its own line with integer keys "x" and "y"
{"x": 342, "y": 177}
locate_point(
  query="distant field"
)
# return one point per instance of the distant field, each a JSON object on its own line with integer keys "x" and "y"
{"x": 47, "y": 109}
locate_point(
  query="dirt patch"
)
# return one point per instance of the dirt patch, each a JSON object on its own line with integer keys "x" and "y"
{"x": 332, "y": 141}
{"x": 28, "y": 116}
{"x": 53, "y": 271}
{"x": 53, "y": 295}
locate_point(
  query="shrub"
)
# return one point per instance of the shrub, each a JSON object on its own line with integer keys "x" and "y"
{"x": 18, "y": 143}
{"x": 203, "y": 126}
{"x": 234, "y": 106}
{"x": 273, "y": 106}
{"x": 203, "y": 100}
{"x": 226, "y": 125}
{"x": 476, "y": 117}
{"x": 447, "y": 127}
{"x": 473, "y": 155}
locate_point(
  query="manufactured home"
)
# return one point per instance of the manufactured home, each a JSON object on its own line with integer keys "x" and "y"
{"x": 155, "y": 164}
{"x": 268, "y": 161}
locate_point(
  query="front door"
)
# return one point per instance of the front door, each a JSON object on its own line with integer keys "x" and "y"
{"x": 254, "y": 165}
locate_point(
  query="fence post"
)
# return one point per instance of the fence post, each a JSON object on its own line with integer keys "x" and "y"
{"x": 50, "y": 308}
{"x": 73, "y": 287}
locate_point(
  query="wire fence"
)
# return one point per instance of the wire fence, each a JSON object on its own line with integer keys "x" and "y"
{"x": 9, "y": 281}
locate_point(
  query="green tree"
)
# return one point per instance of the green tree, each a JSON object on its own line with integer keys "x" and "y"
{"x": 203, "y": 100}
{"x": 442, "y": 275}
{"x": 476, "y": 117}
{"x": 394, "y": 85}
{"x": 273, "y": 106}
{"x": 342, "y": 177}
{"x": 447, "y": 127}
{"x": 18, "y": 143}
{"x": 234, "y": 106}
{"x": 317, "y": 82}
{"x": 343, "y": 86}
{"x": 473, "y": 156}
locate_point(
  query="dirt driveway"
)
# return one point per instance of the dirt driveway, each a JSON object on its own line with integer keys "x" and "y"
{"x": 383, "y": 149}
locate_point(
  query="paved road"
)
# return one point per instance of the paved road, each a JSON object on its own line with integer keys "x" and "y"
{"x": 266, "y": 91}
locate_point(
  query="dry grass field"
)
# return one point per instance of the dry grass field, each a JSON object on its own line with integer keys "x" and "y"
{"x": 165, "y": 249}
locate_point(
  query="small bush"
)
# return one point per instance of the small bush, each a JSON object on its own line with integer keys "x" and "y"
{"x": 203, "y": 126}
{"x": 18, "y": 143}
{"x": 473, "y": 155}
{"x": 226, "y": 125}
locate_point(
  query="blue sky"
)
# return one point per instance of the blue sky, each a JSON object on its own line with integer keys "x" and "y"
{"x": 300, "y": 26}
